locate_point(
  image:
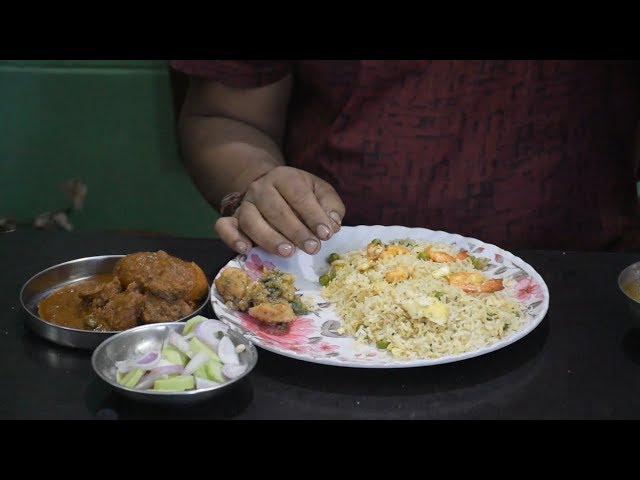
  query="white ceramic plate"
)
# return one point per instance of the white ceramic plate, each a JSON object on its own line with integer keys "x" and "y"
{"x": 314, "y": 337}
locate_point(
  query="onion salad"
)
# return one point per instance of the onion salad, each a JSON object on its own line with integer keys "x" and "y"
{"x": 203, "y": 356}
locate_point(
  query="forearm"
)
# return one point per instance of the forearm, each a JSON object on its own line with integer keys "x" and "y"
{"x": 224, "y": 155}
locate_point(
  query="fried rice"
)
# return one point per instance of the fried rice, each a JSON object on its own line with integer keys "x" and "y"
{"x": 420, "y": 316}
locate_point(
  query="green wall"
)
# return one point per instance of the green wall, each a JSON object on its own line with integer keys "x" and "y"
{"x": 109, "y": 123}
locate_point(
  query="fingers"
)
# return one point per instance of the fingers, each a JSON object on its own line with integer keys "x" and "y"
{"x": 281, "y": 239}
{"x": 330, "y": 202}
{"x": 229, "y": 233}
{"x": 301, "y": 198}
{"x": 247, "y": 223}
{"x": 284, "y": 210}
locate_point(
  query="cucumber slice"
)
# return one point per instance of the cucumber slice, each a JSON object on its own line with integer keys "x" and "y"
{"x": 214, "y": 371}
{"x": 197, "y": 346}
{"x": 191, "y": 323}
{"x": 131, "y": 378}
{"x": 178, "y": 383}
{"x": 201, "y": 372}
{"x": 172, "y": 355}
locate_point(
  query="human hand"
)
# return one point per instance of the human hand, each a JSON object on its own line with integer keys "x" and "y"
{"x": 284, "y": 209}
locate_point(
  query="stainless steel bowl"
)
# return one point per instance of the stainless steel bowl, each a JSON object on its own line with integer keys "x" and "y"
{"x": 46, "y": 282}
{"x": 140, "y": 340}
{"x": 626, "y": 278}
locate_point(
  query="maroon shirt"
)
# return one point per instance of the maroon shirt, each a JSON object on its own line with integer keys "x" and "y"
{"x": 534, "y": 154}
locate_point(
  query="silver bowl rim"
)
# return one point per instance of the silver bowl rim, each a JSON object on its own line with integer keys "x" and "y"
{"x": 81, "y": 331}
{"x": 625, "y": 271}
{"x": 250, "y": 366}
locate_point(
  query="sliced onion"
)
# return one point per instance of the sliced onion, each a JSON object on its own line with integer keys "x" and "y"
{"x": 148, "y": 378}
{"x": 149, "y": 358}
{"x": 147, "y": 362}
{"x": 233, "y": 371}
{"x": 180, "y": 343}
{"x": 164, "y": 363}
{"x": 227, "y": 352}
{"x": 198, "y": 359}
{"x": 220, "y": 326}
{"x": 207, "y": 332}
{"x": 206, "y": 383}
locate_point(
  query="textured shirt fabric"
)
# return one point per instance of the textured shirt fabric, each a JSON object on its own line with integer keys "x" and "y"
{"x": 523, "y": 154}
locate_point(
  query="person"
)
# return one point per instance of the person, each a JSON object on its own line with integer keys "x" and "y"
{"x": 522, "y": 154}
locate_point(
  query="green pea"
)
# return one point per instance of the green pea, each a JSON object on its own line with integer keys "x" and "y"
{"x": 479, "y": 263}
{"x": 324, "y": 280}
{"x": 382, "y": 344}
{"x": 333, "y": 257}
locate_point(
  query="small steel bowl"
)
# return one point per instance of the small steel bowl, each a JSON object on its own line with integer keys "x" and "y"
{"x": 628, "y": 277}
{"x": 46, "y": 282}
{"x": 137, "y": 341}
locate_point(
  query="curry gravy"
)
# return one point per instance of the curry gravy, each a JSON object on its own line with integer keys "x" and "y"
{"x": 65, "y": 307}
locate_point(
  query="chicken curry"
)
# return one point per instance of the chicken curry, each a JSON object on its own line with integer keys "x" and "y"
{"x": 145, "y": 287}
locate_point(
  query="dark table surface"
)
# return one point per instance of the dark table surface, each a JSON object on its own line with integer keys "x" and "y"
{"x": 581, "y": 362}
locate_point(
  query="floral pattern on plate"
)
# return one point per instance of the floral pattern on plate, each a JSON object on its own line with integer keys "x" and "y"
{"x": 317, "y": 336}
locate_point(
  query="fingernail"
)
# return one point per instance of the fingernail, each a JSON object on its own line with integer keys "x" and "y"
{"x": 323, "y": 231}
{"x": 285, "y": 249}
{"x": 310, "y": 246}
{"x": 241, "y": 247}
{"x": 336, "y": 217}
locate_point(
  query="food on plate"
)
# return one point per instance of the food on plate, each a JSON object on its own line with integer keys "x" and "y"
{"x": 145, "y": 287}
{"x": 203, "y": 356}
{"x": 420, "y": 299}
{"x": 271, "y": 299}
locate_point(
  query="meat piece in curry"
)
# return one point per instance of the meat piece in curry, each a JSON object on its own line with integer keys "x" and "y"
{"x": 271, "y": 299}
{"x": 122, "y": 310}
{"x": 146, "y": 287}
{"x": 157, "y": 309}
{"x": 163, "y": 275}
{"x": 97, "y": 293}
